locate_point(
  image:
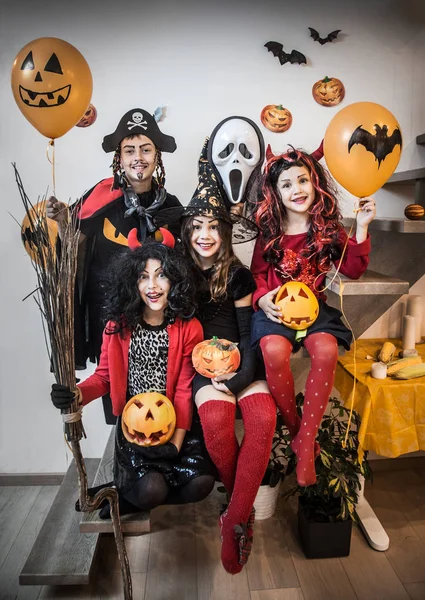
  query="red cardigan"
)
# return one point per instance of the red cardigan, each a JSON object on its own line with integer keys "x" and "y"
{"x": 112, "y": 372}
{"x": 353, "y": 265}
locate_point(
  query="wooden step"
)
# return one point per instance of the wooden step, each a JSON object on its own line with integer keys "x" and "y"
{"x": 397, "y": 225}
{"x": 405, "y": 176}
{"x": 370, "y": 283}
{"x": 133, "y": 524}
{"x": 61, "y": 555}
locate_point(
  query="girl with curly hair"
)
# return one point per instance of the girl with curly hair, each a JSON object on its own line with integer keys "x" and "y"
{"x": 225, "y": 309}
{"x": 301, "y": 236}
{"x": 147, "y": 346}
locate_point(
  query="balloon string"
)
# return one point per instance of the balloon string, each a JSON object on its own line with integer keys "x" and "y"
{"x": 341, "y": 294}
{"x": 52, "y": 162}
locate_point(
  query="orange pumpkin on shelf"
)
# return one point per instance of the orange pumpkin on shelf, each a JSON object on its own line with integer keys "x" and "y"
{"x": 414, "y": 212}
{"x": 276, "y": 118}
{"x": 148, "y": 419}
{"x": 215, "y": 357}
{"x": 329, "y": 91}
{"x": 298, "y": 304}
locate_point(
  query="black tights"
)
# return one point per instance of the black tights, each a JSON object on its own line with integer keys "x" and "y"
{"x": 152, "y": 490}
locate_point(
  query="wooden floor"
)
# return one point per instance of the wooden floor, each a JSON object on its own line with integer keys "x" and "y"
{"x": 180, "y": 558}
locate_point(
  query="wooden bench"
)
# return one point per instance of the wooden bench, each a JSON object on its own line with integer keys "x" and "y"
{"x": 132, "y": 524}
{"x": 61, "y": 555}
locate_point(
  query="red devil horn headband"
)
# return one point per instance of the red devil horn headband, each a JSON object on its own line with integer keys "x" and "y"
{"x": 162, "y": 235}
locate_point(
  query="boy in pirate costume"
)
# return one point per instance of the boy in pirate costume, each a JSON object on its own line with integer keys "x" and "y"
{"x": 134, "y": 197}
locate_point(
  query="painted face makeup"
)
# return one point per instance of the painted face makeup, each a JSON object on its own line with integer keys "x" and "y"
{"x": 153, "y": 288}
{"x": 138, "y": 159}
{"x": 296, "y": 189}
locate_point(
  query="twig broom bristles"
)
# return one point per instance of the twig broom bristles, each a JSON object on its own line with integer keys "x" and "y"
{"x": 56, "y": 269}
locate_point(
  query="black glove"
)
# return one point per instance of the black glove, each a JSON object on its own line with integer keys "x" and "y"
{"x": 246, "y": 372}
{"x": 61, "y": 396}
{"x": 167, "y": 451}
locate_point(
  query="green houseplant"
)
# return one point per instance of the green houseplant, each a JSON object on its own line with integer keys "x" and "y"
{"x": 327, "y": 508}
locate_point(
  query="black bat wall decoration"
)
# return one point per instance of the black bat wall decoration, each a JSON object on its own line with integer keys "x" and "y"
{"x": 378, "y": 143}
{"x": 329, "y": 38}
{"x": 294, "y": 57}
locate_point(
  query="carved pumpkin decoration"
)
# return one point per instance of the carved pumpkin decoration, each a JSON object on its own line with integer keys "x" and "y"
{"x": 298, "y": 304}
{"x": 88, "y": 118}
{"x": 329, "y": 91}
{"x": 414, "y": 212}
{"x": 276, "y": 118}
{"x": 52, "y": 85}
{"x": 148, "y": 419}
{"x": 215, "y": 357}
{"x": 35, "y": 218}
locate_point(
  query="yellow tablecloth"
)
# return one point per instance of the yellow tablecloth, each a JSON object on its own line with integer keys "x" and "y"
{"x": 392, "y": 410}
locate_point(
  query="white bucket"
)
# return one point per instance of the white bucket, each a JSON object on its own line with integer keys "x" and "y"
{"x": 265, "y": 501}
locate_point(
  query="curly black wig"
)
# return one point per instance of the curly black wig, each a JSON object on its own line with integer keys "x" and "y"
{"x": 124, "y": 305}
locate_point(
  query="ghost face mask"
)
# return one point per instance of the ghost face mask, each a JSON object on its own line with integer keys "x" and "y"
{"x": 236, "y": 147}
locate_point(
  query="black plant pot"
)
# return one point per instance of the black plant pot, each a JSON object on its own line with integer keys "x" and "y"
{"x": 323, "y": 540}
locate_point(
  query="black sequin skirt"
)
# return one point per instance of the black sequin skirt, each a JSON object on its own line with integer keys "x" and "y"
{"x": 192, "y": 461}
{"x": 328, "y": 321}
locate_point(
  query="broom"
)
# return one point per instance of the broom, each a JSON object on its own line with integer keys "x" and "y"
{"x": 56, "y": 267}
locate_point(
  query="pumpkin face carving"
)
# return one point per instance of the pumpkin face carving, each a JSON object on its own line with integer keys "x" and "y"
{"x": 298, "y": 304}
{"x": 89, "y": 117}
{"x": 276, "y": 118}
{"x": 329, "y": 91}
{"x": 215, "y": 357}
{"x": 148, "y": 419}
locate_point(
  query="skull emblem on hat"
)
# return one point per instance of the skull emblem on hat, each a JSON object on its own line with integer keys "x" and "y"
{"x": 236, "y": 148}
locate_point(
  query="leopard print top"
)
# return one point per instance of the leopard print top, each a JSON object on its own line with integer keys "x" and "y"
{"x": 147, "y": 359}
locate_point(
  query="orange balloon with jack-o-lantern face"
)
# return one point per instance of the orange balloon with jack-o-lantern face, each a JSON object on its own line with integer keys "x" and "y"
{"x": 52, "y": 85}
{"x": 148, "y": 419}
{"x": 299, "y": 306}
{"x": 215, "y": 357}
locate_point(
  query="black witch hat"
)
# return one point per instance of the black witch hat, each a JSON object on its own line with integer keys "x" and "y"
{"x": 207, "y": 200}
{"x": 138, "y": 122}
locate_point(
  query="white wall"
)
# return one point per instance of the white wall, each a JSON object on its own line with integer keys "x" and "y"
{"x": 204, "y": 61}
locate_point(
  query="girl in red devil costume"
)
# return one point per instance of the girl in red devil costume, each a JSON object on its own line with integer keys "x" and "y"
{"x": 147, "y": 345}
{"x": 225, "y": 310}
{"x": 301, "y": 236}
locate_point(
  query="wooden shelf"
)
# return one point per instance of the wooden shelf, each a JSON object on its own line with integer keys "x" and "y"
{"x": 398, "y": 225}
{"x": 370, "y": 283}
{"x": 406, "y": 176}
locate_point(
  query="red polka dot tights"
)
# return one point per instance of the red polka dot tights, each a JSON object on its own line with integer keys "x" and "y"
{"x": 323, "y": 351}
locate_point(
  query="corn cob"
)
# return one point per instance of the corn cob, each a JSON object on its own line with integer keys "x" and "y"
{"x": 401, "y": 363}
{"x": 411, "y": 372}
{"x": 386, "y": 353}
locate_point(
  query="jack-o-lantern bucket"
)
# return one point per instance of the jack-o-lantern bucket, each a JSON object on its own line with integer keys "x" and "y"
{"x": 215, "y": 357}
{"x": 36, "y": 219}
{"x": 298, "y": 304}
{"x": 148, "y": 419}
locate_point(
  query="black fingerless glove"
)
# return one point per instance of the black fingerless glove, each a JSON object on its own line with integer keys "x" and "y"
{"x": 246, "y": 372}
{"x": 166, "y": 451}
{"x": 61, "y": 396}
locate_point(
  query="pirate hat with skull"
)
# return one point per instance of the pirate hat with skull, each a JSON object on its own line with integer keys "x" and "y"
{"x": 236, "y": 148}
{"x": 138, "y": 122}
